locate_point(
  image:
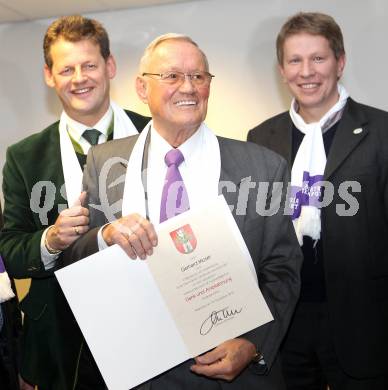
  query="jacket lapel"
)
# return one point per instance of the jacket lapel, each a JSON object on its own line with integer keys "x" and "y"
{"x": 280, "y": 140}
{"x": 117, "y": 174}
{"x": 52, "y": 171}
{"x": 231, "y": 178}
{"x": 349, "y": 134}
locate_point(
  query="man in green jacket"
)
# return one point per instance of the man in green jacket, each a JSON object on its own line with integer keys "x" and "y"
{"x": 43, "y": 210}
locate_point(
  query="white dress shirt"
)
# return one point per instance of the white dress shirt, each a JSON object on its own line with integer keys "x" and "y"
{"x": 194, "y": 170}
{"x": 76, "y": 129}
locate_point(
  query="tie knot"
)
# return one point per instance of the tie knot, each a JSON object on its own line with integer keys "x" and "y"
{"x": 91, "y": 136}
{"x": 174, "y": 156}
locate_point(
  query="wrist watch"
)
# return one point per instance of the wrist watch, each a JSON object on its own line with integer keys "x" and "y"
{"x": 51, "y": 250}
{"x": 258, "y": 358}
{"x": 258, "y": 365}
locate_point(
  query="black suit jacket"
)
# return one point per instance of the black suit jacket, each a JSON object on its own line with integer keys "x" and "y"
{"x": 355, "y": 247}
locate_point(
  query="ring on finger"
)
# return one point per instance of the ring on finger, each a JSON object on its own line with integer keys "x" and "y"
{"x": 76, "y": 230}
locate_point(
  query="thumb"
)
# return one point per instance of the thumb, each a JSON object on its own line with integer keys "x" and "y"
{"x": 81, "y": 199}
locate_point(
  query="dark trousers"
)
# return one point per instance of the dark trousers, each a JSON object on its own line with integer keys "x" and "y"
{"x": 181, "y": 378}
{"x": 89, "y": 376}
{"x": 9, "y": 345}
{"x": 308, "y": 355}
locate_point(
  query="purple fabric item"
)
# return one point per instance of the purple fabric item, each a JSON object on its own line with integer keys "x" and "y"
{"x": 2, "y": 267}
{"x": 174, "y": 195}
{"x": 309, "y": 194}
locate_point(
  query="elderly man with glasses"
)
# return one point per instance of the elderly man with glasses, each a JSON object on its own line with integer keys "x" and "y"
{"x": 175, "y": 82}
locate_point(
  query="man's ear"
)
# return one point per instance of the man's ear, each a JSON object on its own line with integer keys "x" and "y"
{"x": 48, "y": 76}
{"x": 281, "y": 71}
{"x": 111, "y": 66}
{"x": 141, "y": 89}
{"x": 341, "y": 65}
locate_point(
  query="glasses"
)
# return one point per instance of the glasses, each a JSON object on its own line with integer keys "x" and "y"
{"x": 175, "y": 78}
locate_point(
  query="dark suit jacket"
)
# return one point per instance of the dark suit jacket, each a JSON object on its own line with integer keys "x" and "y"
{"x": 270, "y": 240}
{"x": 9, "y": 340}
{"x": 355, "y": 247}
{"x": 46, "y": 358}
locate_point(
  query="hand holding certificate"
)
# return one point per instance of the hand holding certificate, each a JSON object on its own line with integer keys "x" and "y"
{"x": 196, "y": 291}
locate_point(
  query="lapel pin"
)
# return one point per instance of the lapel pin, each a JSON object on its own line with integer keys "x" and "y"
{"x": 357, "y": 131}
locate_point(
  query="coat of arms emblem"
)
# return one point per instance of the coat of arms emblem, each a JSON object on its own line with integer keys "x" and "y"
{"x": 184, "y": 239}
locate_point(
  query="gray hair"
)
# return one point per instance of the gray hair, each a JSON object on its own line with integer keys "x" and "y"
{"x": 144, "y": 61}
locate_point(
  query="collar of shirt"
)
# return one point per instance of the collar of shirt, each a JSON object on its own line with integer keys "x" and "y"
{"x": 157, "y": 168}
{"x": 76, "y": 129}
{"x": 159, "y": 147}
{"x": 330, "y": 122}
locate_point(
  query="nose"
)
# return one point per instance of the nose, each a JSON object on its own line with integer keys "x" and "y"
{"x": 78, "y": 75}
{"x": 307, "y": 69}
{"x": 187, "y": 85}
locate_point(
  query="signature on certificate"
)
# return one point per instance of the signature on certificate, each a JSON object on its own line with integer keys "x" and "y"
{"x": 216, "y": 317}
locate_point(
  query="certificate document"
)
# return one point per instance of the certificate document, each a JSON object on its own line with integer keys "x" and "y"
{"x": 197, "y": 290}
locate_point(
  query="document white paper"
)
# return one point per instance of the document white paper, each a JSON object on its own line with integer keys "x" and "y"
{"x": 141, "y": 318}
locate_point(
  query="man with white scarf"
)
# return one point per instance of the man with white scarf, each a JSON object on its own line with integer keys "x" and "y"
{"x": 338, "y": 335}
{"x": 43, "y": 211}
{"x": 174, "y": 81}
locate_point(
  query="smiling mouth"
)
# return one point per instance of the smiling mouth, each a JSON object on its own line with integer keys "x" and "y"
{"x": 309, "y": 85}
{"x": 182, "y": 103}
{"x": 81, "y": 91}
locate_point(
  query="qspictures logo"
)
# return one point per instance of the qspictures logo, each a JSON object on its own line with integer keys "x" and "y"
{"x": 269, "y": 197}
{"x": 184, "y": 239}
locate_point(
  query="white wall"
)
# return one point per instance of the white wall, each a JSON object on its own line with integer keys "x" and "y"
{"x": 239, "y": 39}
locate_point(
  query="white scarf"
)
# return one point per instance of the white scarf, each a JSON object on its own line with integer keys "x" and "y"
{"x": 72, "y": 171}
{"x": 209, "y": 170}
{"x": 308, "y": 169}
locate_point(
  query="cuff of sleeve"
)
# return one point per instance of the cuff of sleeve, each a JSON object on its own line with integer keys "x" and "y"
{"x": 100, "y": 239}
{"x": 48, "y": 259}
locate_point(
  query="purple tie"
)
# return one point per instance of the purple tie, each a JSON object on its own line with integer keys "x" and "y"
{"x": 2, "y": 267}
{"x": 174, "y": 196}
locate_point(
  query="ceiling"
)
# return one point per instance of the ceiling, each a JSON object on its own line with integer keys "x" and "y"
{"x": 24, "y": 10}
